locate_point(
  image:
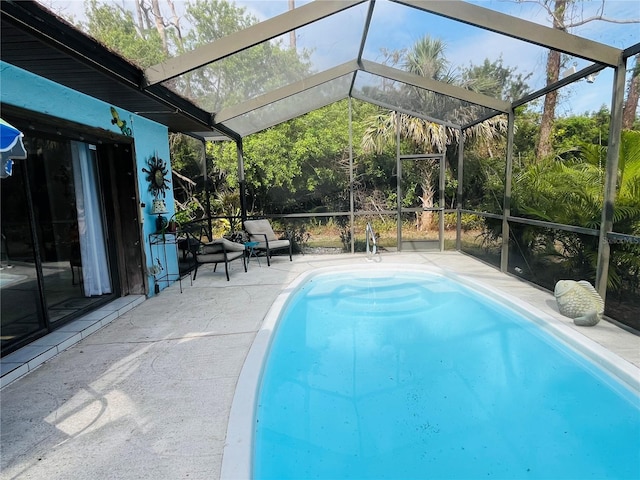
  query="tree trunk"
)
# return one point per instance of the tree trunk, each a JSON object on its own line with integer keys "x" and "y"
{"x": 155, "y": 9}
{"x": 292, "y": 33}
{"x": 631, "y": 102}
{"x": 544, "y": 147}
{"x": 424, "y": 219}
{"x": 143, "y": 14}
{"x": 139, "y": 19}
{"x": 175, "y": 21}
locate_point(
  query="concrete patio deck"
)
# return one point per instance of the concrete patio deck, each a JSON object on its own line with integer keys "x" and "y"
{"x": 147, "y": 395}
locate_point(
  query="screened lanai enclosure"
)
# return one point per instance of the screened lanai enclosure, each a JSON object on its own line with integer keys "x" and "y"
{"x": 434, "y": 150}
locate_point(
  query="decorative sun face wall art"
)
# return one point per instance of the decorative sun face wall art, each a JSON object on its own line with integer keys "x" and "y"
{"x": 156, "y": 176}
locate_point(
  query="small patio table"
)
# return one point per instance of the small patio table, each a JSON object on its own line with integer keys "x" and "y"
{"x": 251, "y": 252}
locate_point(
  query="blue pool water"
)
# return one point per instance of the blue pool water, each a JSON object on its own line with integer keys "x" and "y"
{"x": 412, "y": 375}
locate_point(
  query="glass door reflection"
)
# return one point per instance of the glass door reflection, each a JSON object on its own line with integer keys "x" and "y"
{"x": 19, "y": 293}
{"x": 56, "y": 177}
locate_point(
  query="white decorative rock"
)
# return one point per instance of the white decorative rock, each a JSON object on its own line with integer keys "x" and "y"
{"x": 580, "y": 301}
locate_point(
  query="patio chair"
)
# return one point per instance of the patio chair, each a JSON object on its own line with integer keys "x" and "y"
{"x": 261, "y": 231}
{"x": 217, "y": 251}
{"x": 189, "y": 239}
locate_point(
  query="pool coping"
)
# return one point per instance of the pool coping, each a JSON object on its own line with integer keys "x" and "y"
{"x": 237, "y": 454}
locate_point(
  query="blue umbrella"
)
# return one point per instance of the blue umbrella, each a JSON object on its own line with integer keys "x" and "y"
{"x": 11, "y": 147}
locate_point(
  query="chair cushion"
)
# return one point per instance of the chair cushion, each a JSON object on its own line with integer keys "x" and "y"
{"x": 273, "y": 244}
{"x": 218, "y": 257}
{"x": 218, "y": 246}
{"x": 232, "y": 246}
{"x": 260, "y": 227}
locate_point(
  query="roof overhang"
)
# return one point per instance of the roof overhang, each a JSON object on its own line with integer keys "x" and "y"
{"x": 38, "y": 41}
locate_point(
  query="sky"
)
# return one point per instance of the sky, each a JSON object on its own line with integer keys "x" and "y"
{"x": 396, "y": 26}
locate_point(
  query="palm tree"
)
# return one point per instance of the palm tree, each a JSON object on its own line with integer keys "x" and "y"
{"x": 427, "y": 58}
{"x": 577, "y": 186}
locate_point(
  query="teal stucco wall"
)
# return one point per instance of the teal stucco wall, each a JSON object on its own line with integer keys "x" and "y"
{"x": 28, "y": 91}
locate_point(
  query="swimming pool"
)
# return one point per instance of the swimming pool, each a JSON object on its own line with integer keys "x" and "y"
{"x": 389, "y": 373}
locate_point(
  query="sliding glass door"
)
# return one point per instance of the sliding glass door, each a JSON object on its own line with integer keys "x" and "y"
{"x": 55, "y": 262}
{"x": 20, "y": 301}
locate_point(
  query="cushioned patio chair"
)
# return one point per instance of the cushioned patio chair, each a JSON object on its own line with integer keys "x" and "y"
{"x": 261, "y": 231}
{"x": 218, "y": 251}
